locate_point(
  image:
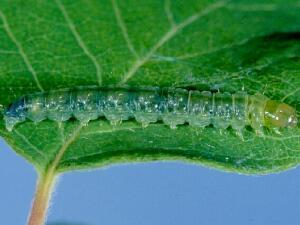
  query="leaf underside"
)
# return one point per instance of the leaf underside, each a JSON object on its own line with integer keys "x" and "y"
{"x": 204, "y": 45}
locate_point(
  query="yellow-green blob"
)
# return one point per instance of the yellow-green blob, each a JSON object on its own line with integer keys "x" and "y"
{"x": 280, "y": 115}
{"x": 257, "y": 104}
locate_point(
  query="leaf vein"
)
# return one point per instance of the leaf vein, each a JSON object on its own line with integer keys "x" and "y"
{"x": 112, "y": 130}
{"x": 20, "y": 49}
{"x": 169, "y": 13}
{"x": 80, "y": 42}
{"x": 167, "y": 36}
{"x": 74, "y": 135}
{"x": 290, "y": 94}
{"x": 123, "y": 28}
{"x": 29, "y": 143}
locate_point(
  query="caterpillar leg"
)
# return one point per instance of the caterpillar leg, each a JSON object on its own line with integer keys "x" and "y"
{"x": 114, "y": 119}
{"x": 277, "y": 131}
{"x": 239, "y": 133}
{"x": 173, "y": 126}
{"x": 84, "y": 122}
{"x": 172, "y": 121}
{"x": 115, "y": 122}
{"x": 145, "y": 119}
{"x": 10, "y": 123}
{"x": 201, "y": 123}
{"x": 238, "y": 126}
{"x": 85, "y": 118}
{"x": 221, "y": 132}
{"x": 145, "y": 124}
{"x": 260, "y": 132}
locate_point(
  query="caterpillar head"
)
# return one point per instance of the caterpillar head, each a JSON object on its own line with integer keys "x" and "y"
{"x": 280, "y": 115}
{"x": 15, "y": 114}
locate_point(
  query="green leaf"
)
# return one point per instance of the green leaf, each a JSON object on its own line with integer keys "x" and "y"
{"x": 205, "y": 45}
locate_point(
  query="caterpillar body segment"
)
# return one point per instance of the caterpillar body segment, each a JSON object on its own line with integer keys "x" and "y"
{"x": 172, "y": 106}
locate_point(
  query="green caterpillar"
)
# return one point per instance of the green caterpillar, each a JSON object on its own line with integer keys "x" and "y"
{"x": 171, "y": 106}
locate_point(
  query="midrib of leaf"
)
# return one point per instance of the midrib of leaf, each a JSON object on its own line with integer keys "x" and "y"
{"x": 46, "y": 182}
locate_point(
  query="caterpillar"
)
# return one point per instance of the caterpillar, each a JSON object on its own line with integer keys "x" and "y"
{"x": 172, "y": 106}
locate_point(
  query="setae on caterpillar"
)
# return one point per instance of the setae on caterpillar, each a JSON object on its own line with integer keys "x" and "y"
{"x": 172, "y": 106}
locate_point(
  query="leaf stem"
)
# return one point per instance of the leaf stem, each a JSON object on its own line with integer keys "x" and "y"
{"x": 42, "y": 198}
{"x": 46, "y": 183}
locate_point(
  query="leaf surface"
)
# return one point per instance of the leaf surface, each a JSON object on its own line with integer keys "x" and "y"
{"x": 204, "y": 45}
